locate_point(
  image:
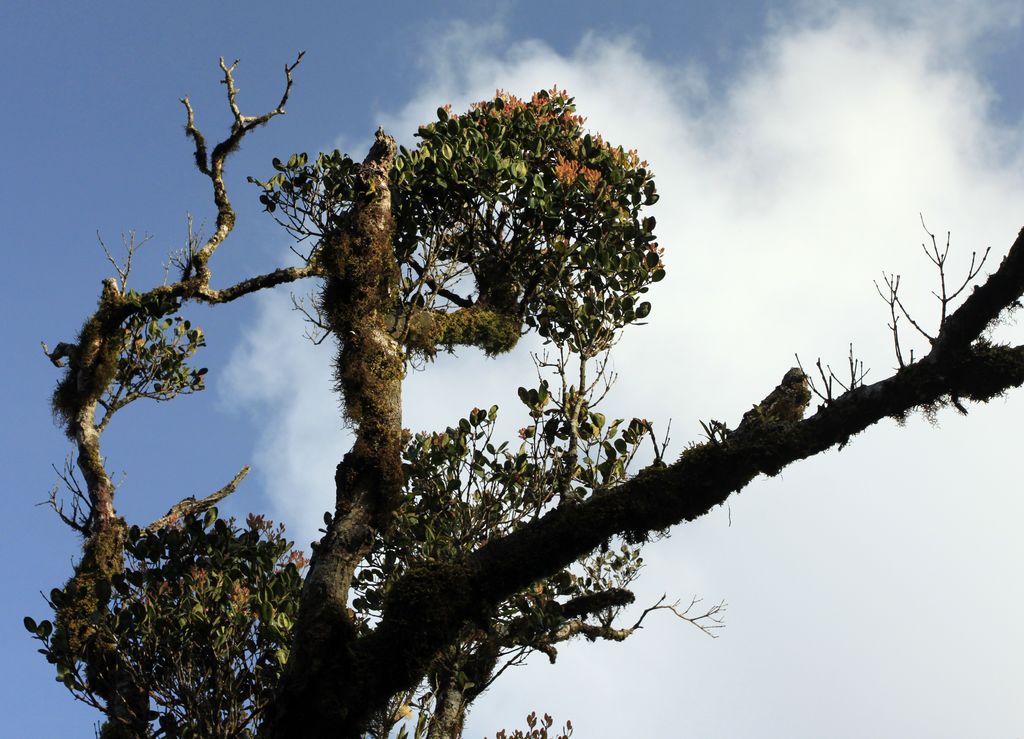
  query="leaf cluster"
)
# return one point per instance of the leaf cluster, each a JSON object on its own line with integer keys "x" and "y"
{"x": 309, "y": 199}
{"x": 544, "y": 216}
{"x": 153, "y": 362}
{"x": 200, "y": 618}
{"x": 511, "y": 206}
{"x": 464, "y": 489}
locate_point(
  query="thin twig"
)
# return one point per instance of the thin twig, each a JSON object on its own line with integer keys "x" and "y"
{"x": 708, "y": 621}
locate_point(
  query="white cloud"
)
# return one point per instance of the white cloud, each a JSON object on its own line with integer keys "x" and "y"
{"x": 872, "y": 592}
{"x": 285, "y": 384}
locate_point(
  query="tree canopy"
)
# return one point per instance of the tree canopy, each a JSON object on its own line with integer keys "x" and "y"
{"x": 451, "y": 554}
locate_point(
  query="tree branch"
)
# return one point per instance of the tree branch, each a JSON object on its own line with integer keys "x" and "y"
{"x": 427, "y": 608}
{"x": 252, "y": 284}
{"x": 427, "y": 330}
{"x": 190, "y": 505}
{"x": 984, "y": 304}
{"x": 212, "y": 164}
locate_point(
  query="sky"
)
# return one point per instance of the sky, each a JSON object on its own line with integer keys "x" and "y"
{"x": 872, "y": 591}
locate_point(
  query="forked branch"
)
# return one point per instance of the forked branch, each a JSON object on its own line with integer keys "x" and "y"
{"x": 938, "y": 258}
{"x": 944, "y": 295}
{"x": 212, "y": 164}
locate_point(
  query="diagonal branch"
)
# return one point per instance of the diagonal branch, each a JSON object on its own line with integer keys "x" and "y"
{"x": 259, "y": 282}
{"x": 1001, "y": 290}
{"x": 427, "y": 608}
{"x": 190, "y": 505}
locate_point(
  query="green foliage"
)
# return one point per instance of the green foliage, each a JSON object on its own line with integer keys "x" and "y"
{"x": 153, "y": 361}
{"x": 463, "y": 490}
{"x": 153, "y": 303}
{"x": 310, "y": 199}
{"x": 200, "y": 619}
{"x": 145, "y": 357}
{"x": 545, "y": 216}
{"x": 513, "y": 209}
{"x": 513, "y": 201}
{"x": 508, "y": 218}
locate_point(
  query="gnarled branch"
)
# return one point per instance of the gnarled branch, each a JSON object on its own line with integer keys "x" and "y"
{"x": 212, "y": 164}
{"x": 428, "y": 609}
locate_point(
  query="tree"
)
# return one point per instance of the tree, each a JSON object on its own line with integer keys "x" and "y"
{"x": 447, "y": 556}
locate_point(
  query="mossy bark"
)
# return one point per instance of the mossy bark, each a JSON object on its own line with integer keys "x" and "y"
{"x": 427, "y": 610}
{"x": 493, "y": 331}
{"x": 92, "y": 365}
{"x": 358, "y": 297}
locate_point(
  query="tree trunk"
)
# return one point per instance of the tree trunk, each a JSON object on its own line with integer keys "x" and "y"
{"x": 358, "y": 298}
{"x": 449, "y": 714}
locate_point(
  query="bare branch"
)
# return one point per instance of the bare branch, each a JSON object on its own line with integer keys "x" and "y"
{"x": 938, "y": 256}
{"x": 81, "y": 508}
{"x": 893, "y": 283}
{"x": 825, "y": 394}
{"x": 259, "y": 282}
{"x": 62, "y": 351}
{"x": 894, "y": 326}
{"x": 194, "y": 133}
{"x": 245, "y": 123}
{"x": 232, "y": 90}
{"x": 707, "y": 621}
{"x": 315, "y": 318}
{"x": 856, "y": 374}
{"x": 190, "y": 505}
{"x": 212, "y": 164}
{"x": 130, "y": 246}
{"x": 972, "y": 271}
{"x": 182, "y": 259}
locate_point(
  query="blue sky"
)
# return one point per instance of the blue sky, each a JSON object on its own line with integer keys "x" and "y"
{"x": 874, "y": 591}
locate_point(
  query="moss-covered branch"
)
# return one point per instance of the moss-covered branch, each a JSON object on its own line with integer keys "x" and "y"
{"x": 359, "y": 292}
{"x": 493, "y": 331}
{"x": 428, "y": 608}
{"x": 91, "y": 366}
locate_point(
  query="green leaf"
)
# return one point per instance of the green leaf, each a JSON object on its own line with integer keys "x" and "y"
{"x": 30, "y": 624}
